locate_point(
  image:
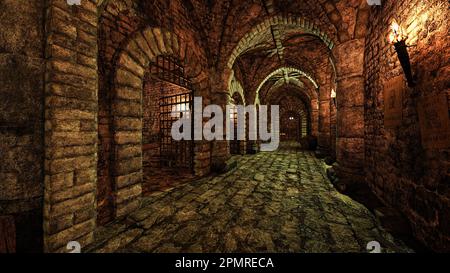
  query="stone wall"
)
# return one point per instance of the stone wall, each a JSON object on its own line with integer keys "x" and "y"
{"x": 22, "y": 118}
{"x": 291, "y": 104}
{"x": 350, "y": 112}
{"x": 119, "y": 20}
{"x": 71, "y": 106}
{"x": 401, "y": 172}
{"x": 71, "y": 102}
{"x": 325, "y": 133}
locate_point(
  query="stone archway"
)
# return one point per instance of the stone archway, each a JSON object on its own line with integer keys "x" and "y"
{"x": 285, "y": 71}
{"x": 292, "y": 21}
{"x": 346, "y": 49}
{"x": 143, "y": 47}
{"x": 291, "y": 104}
{"x": 235, "y": 86}
{"x": 307, "y": 93}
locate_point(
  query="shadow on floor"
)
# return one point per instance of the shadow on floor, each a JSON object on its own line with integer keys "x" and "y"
{"x": 392, "y": 220}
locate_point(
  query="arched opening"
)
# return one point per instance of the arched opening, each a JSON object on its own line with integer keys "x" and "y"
{"x": 291, "y": 126}
{"x": 296, "y": 94}
{"x": 334, "y": 57}
{"x": 154, "y": 72}
{"x": 295, "y": 117}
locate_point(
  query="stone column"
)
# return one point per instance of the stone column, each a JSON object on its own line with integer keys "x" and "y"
{"x": 71, "y": 123}
{"x": 220, "y": 148}
{"x": 350, "y": 111}
{"x": 202, "y": 148}
{"x": 332, "y": 130}
{"x": 315, "y": 117}
{"x": 323, "y": 148}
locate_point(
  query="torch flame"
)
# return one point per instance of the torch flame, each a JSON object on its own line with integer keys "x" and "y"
{"x": 397, "y": 34}
{"x": 395, "y": 27}
{"x": 333, "y": 93}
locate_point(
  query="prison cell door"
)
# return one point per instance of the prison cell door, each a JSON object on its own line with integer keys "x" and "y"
{"x": 176, "y": 154}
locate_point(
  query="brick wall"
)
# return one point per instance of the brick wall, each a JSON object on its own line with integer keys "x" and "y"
{"x": 70, "y": 124}
{"x": 400, "y": 171}
{"x": 297, "y": 101}
{"x": 119, "y": 19}
{"x": 291, "y": 104}
{"x": 291, "y": 127}
{"x": 95, "y": 57}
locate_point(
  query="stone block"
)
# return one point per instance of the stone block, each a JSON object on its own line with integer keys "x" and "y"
{"x": 350, "y": 122}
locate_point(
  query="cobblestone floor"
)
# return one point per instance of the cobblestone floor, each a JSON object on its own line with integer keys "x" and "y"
{"x": 273, "y": 202}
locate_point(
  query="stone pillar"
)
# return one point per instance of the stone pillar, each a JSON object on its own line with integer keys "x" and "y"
{"x": 350, "y": 111}
{"x": 323, "y": 148}
{"x": 71, "y": 105}
{"x": 220, "y": 148}
{"x": 314, "y": 117}
{"x": 332, "y": 130}
{"x": 202, "y": 148}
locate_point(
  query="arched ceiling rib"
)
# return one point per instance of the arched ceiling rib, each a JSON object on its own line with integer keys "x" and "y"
{"x": 236, "y": 87}
{"x": 287, "y": 75}
{"x": 274, "y": 94}
{"x": 274, "y": 30}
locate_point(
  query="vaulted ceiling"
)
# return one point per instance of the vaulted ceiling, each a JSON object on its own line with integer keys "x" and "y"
{"x": 257, "y": 37}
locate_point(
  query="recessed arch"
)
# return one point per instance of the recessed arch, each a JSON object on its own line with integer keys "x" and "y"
{"x": 134, "y": 59}
{"x": 291, "y": 104}
{"x": 236, "y": 87}
{"x": 285, "y": 71}
{"x": 253, "y": 37}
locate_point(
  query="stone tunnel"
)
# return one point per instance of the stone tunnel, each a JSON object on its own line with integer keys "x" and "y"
{"x": 87, "y": 103}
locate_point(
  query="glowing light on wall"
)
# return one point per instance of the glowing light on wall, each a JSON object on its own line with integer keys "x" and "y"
{"x": 333, "y": 96}
{"x": 398, "y": 39}
{"x": 397, "y": 33}
{"x": 233, "y": 113}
